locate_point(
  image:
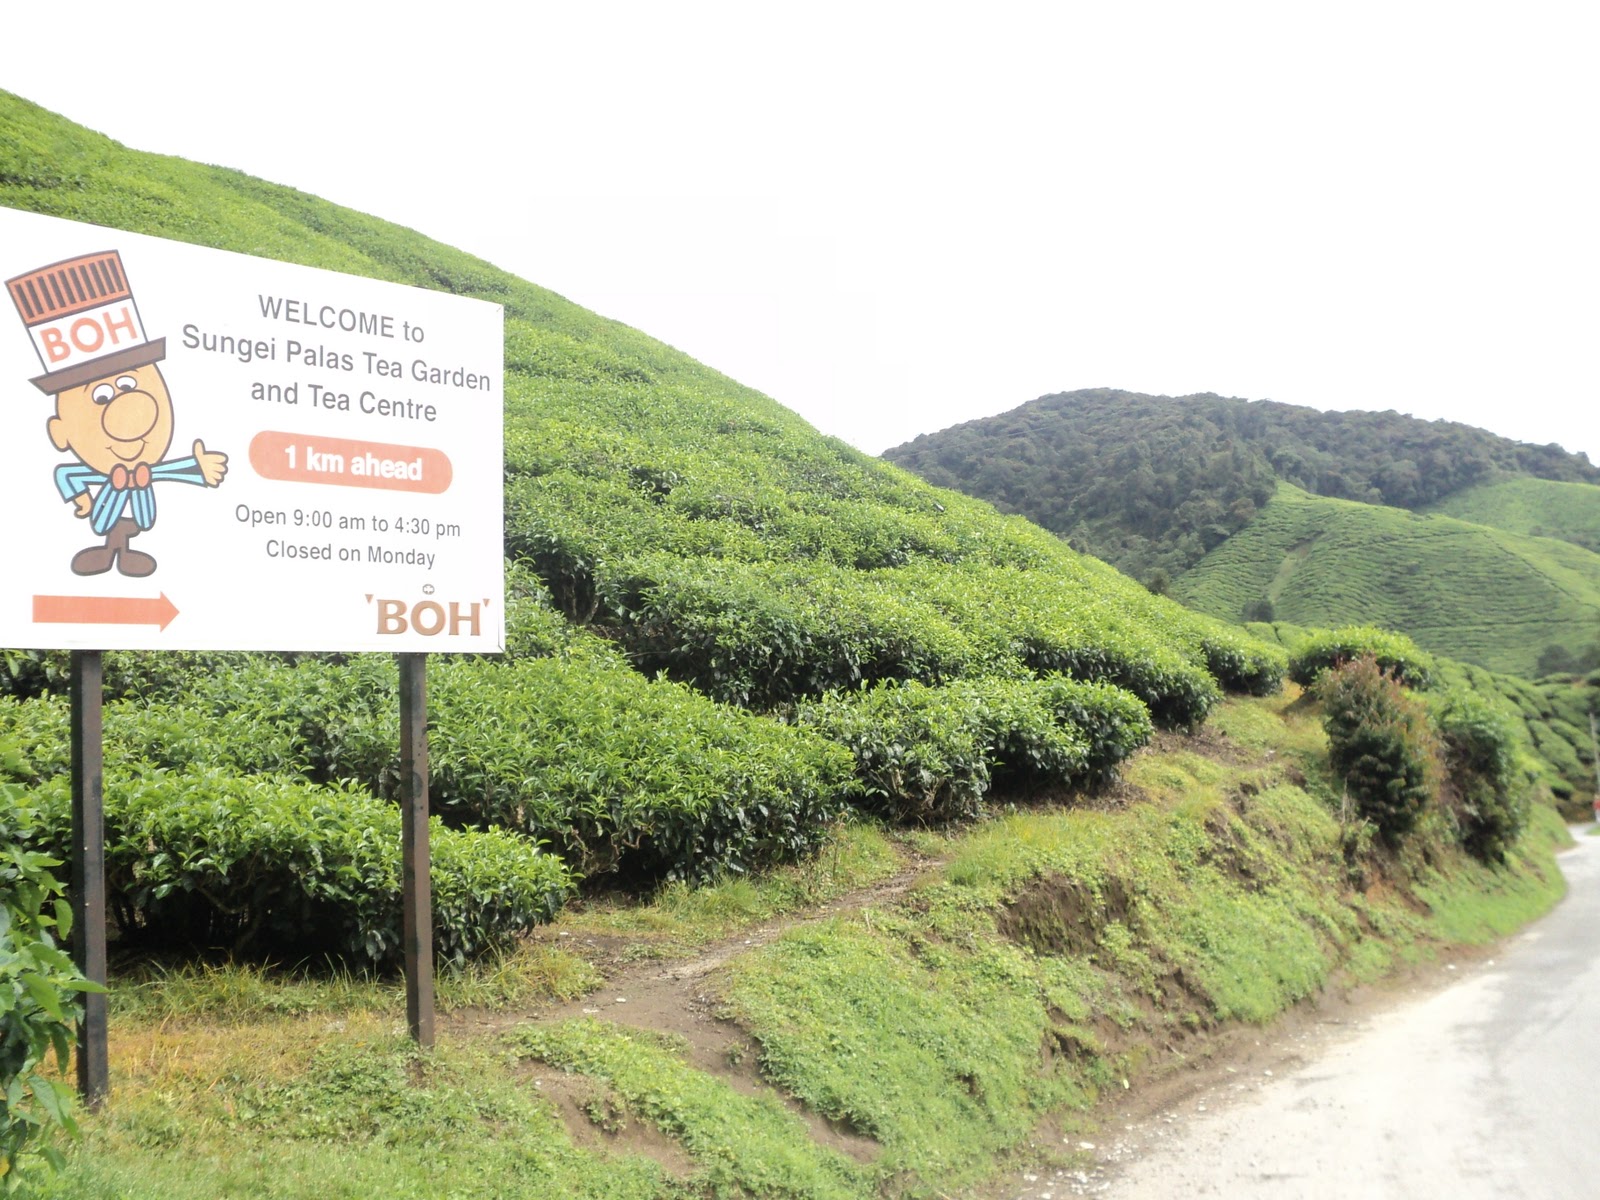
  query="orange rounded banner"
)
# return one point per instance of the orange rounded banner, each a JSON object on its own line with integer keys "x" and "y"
{"x": 346, "y": 462}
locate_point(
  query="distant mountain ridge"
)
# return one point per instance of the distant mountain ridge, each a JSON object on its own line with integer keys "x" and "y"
{"x": 1176, "y": 488}
{"x": 1152, "y": 483}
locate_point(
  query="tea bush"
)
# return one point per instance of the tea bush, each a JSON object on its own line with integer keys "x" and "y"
{"x": 273, "y": 867}
{"x": 535, "y": 628}
{"x": 1112, "y": 723}
{"x": 932, "y": 754}
{"x": 25, "y": 674}
{"x": 623, "y": 774}
{"x": 1074, "y": 624}
{"x": 762, "y": 635}
{"x": 1177, "y": 694}
{"x": 335, "y": 718}
{"x": 1026, "y": 745}
{"x": 920, "y": 751}
{"x": 1395, "y": 654}
{"x": 616, "y": 772}
{"x": 1244, "y": 664}
{"x": 36, "y": 734}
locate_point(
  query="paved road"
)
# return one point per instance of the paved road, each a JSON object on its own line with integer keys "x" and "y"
{"x": 1487, "y": 1088}
{"x": 1490, "y": 1088}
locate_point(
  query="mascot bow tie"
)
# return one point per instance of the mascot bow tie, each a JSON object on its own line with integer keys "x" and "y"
{"x": 122, "y": 478}
{"x": 124, "y": 490}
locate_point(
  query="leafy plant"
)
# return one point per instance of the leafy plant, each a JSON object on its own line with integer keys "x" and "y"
{"x": 920, "y": 752}
{"x": 280, "y": 868}
{"x": 1490, "y": 792}
{"x": 1112, "y": 722}
{"x": 1244, "y": 664}
{"x": 39, "y": 986}
{"x": 1379, "y": 743}
{"x": 622, "y": 774}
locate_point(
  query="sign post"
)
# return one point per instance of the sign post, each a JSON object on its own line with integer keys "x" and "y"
{"x": 89, "y": 871}
{"x": 416, "y": 895}
{"x": 208, "y": 451}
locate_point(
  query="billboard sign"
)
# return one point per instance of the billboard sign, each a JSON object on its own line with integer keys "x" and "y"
{"x": 210, "y": 451}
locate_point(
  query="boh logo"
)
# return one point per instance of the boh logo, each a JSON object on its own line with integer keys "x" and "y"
{"x": 430, "y": 618}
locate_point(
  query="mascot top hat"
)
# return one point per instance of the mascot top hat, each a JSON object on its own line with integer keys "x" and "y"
{"x": 84, "y": 323}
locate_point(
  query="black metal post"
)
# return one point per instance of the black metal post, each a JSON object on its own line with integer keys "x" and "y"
{"x": 89, "y": 871}
{"x": 415, "y": 885}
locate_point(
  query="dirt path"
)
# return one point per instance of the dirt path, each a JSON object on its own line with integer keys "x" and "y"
{"x": 678, "y": 997}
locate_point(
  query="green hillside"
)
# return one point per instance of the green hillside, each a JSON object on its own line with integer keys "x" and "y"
{"x": 694, "y": 569}
{"x": 821, "y": 832}
{"x": 1537, "y": 507}
{"x": 1466, "y": 591}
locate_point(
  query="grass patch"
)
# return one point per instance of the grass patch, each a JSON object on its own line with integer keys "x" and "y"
{"x": 1475, "y": 903}
{"x": 935, "y": 1054}
{"x": 243, "y": 993}
{"x": 743, "y": 1145}
{"x": 1252, "y": 726}
{"x": 313, "y": 1109}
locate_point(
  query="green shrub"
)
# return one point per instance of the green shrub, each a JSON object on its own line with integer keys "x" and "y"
{"x": 623, "y": 774}
{"x": 1379, "y": 743}
{"x": 37, "y": 734}
{"x": 142, "y": 674}
{"x": 1480, "y": 761}
{"x": 764, "y": 635}
{"x": 1396, "y": 655}
{"x": 1091, "y": 624}
{"x": 273, "y": 867}
{"x": 183, "y": 737}
{"x": 1177, "y": 694}
{"x": 921, "y": 753}
{"x": 25, "y": 674}
{"x": 1245, "y": 665}
{"x": 618, "y": 773}
{"x": 932, "y": 754}
{"x": 535, "y": 628}
{"x": 39, "y": 986}
{"x": 1112, "y": 722}
{"x": 1026, "y": 745}
{"x": 336, "y": 719}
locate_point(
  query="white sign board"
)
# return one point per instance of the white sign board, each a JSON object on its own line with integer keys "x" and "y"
{"x": 209, "y": 451}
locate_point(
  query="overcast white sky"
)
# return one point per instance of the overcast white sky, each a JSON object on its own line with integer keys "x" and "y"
{"x": 895, "y": 217}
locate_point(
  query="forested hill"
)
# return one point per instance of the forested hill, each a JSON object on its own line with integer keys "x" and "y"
{"x": 1152, "y": 483}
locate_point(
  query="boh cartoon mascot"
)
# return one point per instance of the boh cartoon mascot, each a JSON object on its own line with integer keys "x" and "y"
{"x": 113, "y": 410}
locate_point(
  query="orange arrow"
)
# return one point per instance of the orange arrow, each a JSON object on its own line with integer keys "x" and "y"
{"x": 103, "y": 610}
